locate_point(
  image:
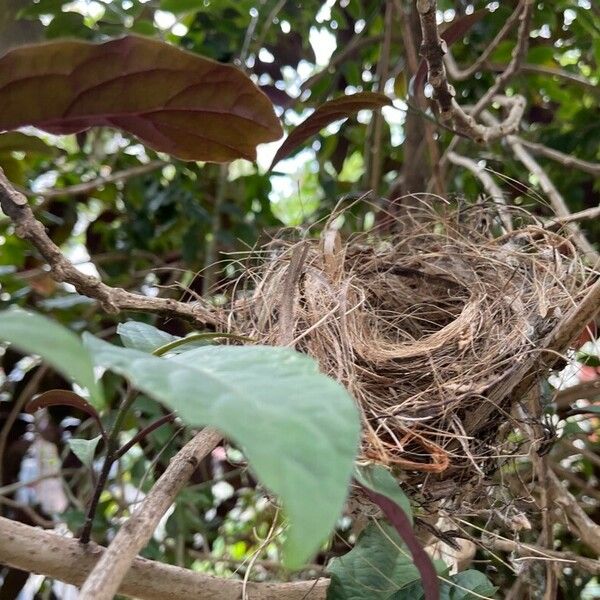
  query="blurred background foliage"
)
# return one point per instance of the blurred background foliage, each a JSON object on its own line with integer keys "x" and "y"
{"x": 180, "y": 229}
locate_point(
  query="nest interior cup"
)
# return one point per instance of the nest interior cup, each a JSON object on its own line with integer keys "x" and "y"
{"x": 422, "y": 327}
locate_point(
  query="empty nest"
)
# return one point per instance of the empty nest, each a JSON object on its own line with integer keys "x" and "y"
{"x": 422, "y": 327}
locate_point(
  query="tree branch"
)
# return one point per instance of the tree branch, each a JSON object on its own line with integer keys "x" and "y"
{"x": 582, "y": 215}
{"x": 113, "y": 300}
{"x": 434, "y": 49}
{"x": 518, "y": 54}
{"x": 90, "y": 186}
{"x": 578, "y": 521}
{"x": 458, "y": 74}
{"x": 38, "y": 551}
{"x": 564, "y": 159}
{"x": 535, "y": 552}
{"x": 490, "y": 186}
{"x": 105, "y": 578}
{"x": 554, "y": 196}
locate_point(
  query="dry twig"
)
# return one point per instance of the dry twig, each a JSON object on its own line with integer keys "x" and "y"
{"x": 105, "y": 578}
{"x": 113, "y": 300}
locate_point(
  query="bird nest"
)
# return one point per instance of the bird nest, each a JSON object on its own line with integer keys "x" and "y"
{"x": 422, "y": 327}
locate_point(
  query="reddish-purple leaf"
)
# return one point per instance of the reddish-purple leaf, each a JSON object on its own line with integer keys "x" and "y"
{"x": 455, "y": 31}
{"x": 65, "y": 398}
{"x": 175, "y": 102}
{"x": 333, "y": 110}
{"x": 401, "y": 523}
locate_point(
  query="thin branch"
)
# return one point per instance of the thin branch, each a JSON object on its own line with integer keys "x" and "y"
{"x": 94, "y": 184}
{"x": 105, "y": 578}
{"x": 582, "y": 215}
{"x": 518, "y": 54}
{"x": 374, "y": 149}
{"x": 29, "y": 511}
{"x": 535, "y": 552}
{"x": 564, "y": 159}
{"x": 459, "y": 74}
{"x": 586, "y": 488}
{"x": 356, "y": 44}
{"x": 13, "y": 487}
{"x": 142, "y": 434}
{"x": 554, "y": 72}
{"x": 46, "y": 552}
{"x": 18, "y": 404}
{"x": 433, "y": 50}
{"x": 490, "y": 186}
{"x": 113, "y": 300}
{"x": 588, "y": 390}
{"x": 577, "y": 520}
{"x": 554, "y": 196}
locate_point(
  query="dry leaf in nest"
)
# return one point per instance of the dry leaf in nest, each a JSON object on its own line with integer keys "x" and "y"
{"x": 421, "y": 328}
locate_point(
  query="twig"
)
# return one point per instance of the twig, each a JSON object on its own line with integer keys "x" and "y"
{"x": 357, "y": 43}
{"x": 459, "y": 74}
{"x": 434, "y": 49}
{"x": 113, "y": 300}
{"x": 518, "y": 54}
{"x": 554, "y": 196}
{"x": 89, "y": 186}
{"x": 554, "y": 72}
{"x": 490, "y": 186}
{"x": 586, "y": 488}
{"x": 373, "y": 153}
{"x": 588, "y": 390}
{"x": 13, "y": 487}
{"x": 586, "y": 452}
{"x": 582, "y": 215}
{"x": 140, "y": 435}
{"x": 268, "y": 22}
{"x": 19, "y": 403}
{"x": 540, "y": 465}
{"x": 289, "y": 296}
{"x": 577, "y": 520}
{"x": 562, "y": 158}
{"x": 29, "y": 511}
{"x": 38, "y": 551}
{"x": 109, "y": 459}
{"x": 210, "y": 258}
{"x": 105, "y": 578}
{"x": 589, "y": 565}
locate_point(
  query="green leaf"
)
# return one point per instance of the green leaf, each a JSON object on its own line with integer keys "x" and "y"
{"x": 380, "y": 480}
{"x": 374, "y": 569}
{"x": 589, "y": 360}
{"x": 84, "y": 450}
{"x": 56, "y": 345}
{"x": 593, "y": 409}
{"x": 144, "y": 337}
{"x": 379, "y": 567}
{"x": 19, "y": 142}
{"x": 195, "y": 340}
{"x": 473, "y": 582}
{"x": 298, "y": 428}
{"x": 182, "y": 6}
{"x": 198, "y": 109}
{"x": 329, "y": 112}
